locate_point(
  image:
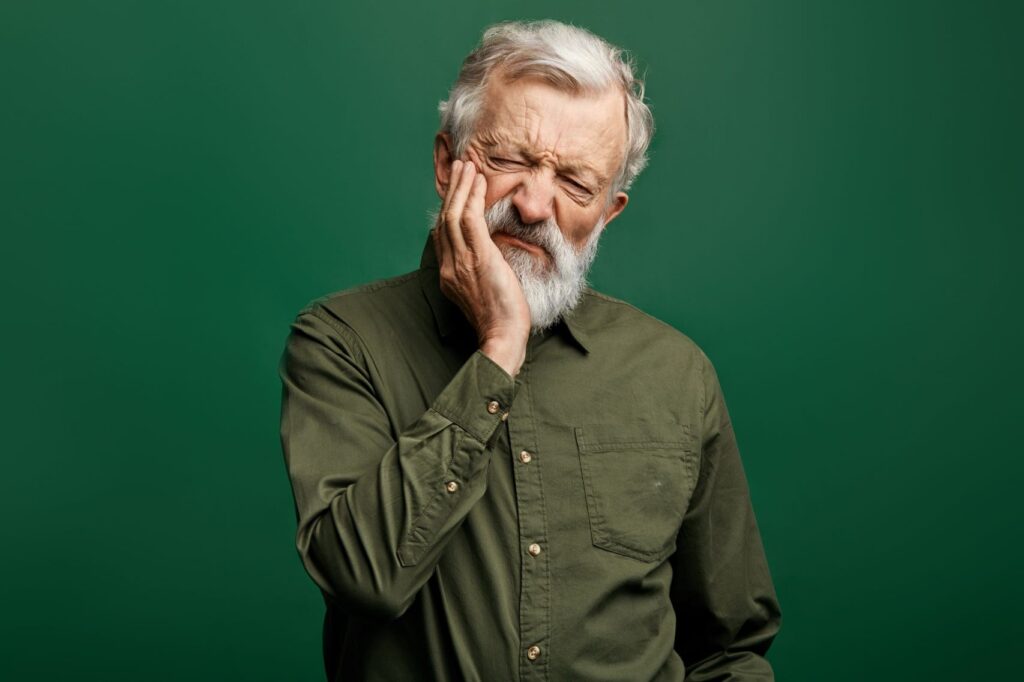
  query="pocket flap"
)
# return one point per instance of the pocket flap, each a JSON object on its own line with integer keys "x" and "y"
{"x": 647, "y": 436}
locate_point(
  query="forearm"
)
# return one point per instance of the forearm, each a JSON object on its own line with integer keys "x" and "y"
{"x": 727, "y": 611}
{"x": 731, "y": 666}
{"x": 376, "y": 512}
{"x": 379, "y": 538}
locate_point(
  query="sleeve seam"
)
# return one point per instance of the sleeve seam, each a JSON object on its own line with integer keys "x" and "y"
{"x": 358, "y": 345}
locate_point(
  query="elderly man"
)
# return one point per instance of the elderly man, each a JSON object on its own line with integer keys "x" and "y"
{"x": 500, "y": 473}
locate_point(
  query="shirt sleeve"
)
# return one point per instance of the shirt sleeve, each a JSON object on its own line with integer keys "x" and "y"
{"x": 375, "y": 509}
{"x": 727, "y": 613}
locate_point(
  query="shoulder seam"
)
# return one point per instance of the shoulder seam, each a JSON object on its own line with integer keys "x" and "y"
{"x": 346, "y": 330}
{"x": 340, "y": 326}
{"x": 611, "y": 299}
{"x": 386, "y": 283}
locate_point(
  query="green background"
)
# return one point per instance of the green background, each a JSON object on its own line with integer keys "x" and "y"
{"x": 832, "y": 211}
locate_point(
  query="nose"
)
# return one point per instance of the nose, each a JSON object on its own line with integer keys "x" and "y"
{"x": 534, "y": 199}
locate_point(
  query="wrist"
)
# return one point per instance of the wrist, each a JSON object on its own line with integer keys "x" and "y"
{"x": 507, "y": 354}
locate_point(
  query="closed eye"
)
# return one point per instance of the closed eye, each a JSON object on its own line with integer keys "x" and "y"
{"x": 577, "y": 186}
{"x": 505, "y": 163}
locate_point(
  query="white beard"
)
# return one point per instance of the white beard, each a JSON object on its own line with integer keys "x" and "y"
{"x": 551, "y": 290}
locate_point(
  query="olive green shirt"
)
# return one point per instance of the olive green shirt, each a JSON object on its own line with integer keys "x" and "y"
{"x": 587, "y": 520}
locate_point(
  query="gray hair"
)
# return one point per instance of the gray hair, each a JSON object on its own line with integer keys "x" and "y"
{"x": 569, "y": 58}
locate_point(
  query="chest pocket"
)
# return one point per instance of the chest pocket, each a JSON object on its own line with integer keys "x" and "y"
{"x": 638, "y": 481}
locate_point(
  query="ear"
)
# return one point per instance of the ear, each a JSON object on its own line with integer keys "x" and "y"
{"x": 619, "y": 202}
{"x": 443, "y": 158}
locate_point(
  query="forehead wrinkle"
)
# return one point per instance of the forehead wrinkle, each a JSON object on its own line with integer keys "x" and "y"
{"x": 530, "y": 121}
{"x": 490, "y": 136}
{"x": 519, "y": 122}
{"x": 530, "y": 146}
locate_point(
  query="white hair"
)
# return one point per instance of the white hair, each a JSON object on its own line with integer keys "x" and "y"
{"x": 571, "y": 59}
{"x": 551, "y": 289}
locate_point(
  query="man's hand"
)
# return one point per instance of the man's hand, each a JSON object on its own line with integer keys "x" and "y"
{"x": 476, "y": 276}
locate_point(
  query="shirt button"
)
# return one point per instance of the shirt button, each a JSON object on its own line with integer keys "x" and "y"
{"x": 533, "y": 653}
{"x": 533, "y": 549}
{"x": 493, "y": 407}
{"x": 451, "y": 486}
{"x": 525, "y": 457}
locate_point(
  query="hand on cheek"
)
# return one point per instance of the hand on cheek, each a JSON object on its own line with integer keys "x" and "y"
{"x": 475, "y": 275}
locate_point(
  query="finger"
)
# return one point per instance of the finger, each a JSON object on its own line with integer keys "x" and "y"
{"x": 443, "y": 229}
{"x": 440, "y": 232}
{"x": 461, "y": 190}
{"x": 453, "y": 181}
{"x": 454, "y": 214}
{"x": 442, "y": 247}
{"x": 474, "y": 224}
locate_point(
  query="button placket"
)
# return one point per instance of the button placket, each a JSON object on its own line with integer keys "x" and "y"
{"x": 534, "y": 598}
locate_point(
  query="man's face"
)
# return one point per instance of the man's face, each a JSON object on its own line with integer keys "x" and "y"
{"x": 553, "y": 153}
{"x": 549, "y": 158}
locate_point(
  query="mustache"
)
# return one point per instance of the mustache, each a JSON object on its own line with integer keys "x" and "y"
{"x": 502, "y": 217}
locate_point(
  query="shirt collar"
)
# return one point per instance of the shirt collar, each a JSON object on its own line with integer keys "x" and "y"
{"x": 450, "y": 320}
{"x": 575, "y": 323}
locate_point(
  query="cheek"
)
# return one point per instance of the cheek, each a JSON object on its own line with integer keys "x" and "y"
{"x": 577, "y": 226}
{"x": 499, "y": 185}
